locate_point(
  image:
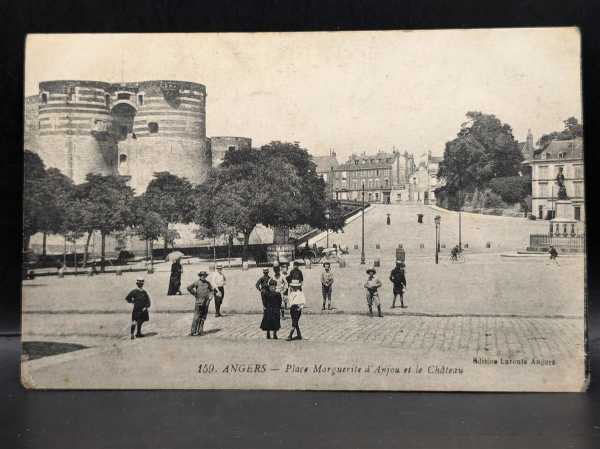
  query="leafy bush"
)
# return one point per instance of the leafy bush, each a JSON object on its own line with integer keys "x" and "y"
{"x": 493, "y": 200}
{"x": 512, "y": 189}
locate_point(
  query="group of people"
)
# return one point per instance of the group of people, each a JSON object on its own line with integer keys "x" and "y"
{"x": 280, "y": 292}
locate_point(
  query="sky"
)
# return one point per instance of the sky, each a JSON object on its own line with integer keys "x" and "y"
{"x": 347, "y": 91}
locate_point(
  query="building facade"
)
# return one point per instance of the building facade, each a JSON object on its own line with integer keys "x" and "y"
{"x": 545, "y": 166}
{"x": 221, "y": 144}
{"x": 133, "y": 129}
{"x": 384, "y": 175}
{"x": 326, "y": 166}
{"x": 424, "y": 180}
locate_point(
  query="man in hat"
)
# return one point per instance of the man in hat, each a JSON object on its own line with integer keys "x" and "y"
{"x": 218, "y": 280}
{"x": 296, "y": 274}
{"x": 281, "y": 286}
{"x": 399, "y": 283}
{"x": 297, "y": 301}
{"x": 553, "y": 254}
{"x": 202, "y": 291}
{"x": 262, "y": 285}
{"x": 141, "y": 303}
{"x": 372, "y": 285}
{"x": 326, "y": 284}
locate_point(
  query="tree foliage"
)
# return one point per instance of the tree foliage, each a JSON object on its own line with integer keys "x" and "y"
{"x": 35, "y": 196}
{"x": 512, "y": 189}
{"x": 572, "y": 129}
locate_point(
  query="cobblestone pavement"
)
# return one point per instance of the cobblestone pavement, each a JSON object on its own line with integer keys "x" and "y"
{"x": 478, "y": 336}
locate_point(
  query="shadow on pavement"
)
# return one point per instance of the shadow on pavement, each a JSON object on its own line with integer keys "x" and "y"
{"x": 32, "y": 350}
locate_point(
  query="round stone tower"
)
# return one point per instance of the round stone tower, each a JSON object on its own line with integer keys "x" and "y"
{"x": 162, "y": 127}
{"x": 221, "y": 144}
{"x": 74, "y": 128}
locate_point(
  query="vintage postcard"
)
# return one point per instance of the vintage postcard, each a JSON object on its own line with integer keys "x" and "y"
{"x": 381, "y": 210}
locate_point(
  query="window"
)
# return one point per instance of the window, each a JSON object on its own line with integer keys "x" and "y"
{"x": 376, "y": 196}
{"x": 231, "y": 148}
{"x": 122, "y": 159}
{"x": 543, "y": 191}
{"x": 387, "y": 182}
{"x": 562, "y": 155}
{"x": 543, "y": 172}
{"x": 44, "y": 98}
{"x": 141, "y": 100}
{"x": 578, "y": 188}
{"x": 578, "y": 171}
{"x": 153, "y": 127}
{"x": 107, "y": 100}
{"x": 577, "y": 210}
{"x": 123, "y": 96}
{"x": 399, "y": 197}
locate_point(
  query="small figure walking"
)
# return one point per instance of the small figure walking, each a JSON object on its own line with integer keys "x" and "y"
{"x": 371, "y": 286}
{"x": 203, "y": 292}
{"x": 297, "y": 301}
{"x": 398, "y": 279}
{"x": 388, "y": 221}
{"x": 271, "y": 305}
{"x": 553, "y": 255}
{"x": 262, "y": 285}
{"x": 141, "y": 303}
{"x": 326, "y": 284}
{"x": 175, "y": 279}
{"x": 218, "y": 280}
{"x": 282, "y": 286}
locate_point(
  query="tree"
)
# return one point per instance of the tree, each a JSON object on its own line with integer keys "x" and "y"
{"x": 35, "y": 196}
{"x": 172, "y": 198}
{"x": 483, "y": 149}
{"x": 106, "y": 206}
{"x": 147, "y": 224}
{"x": 572, "y": 129}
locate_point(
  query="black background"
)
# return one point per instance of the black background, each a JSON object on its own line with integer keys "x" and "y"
{"x": 252, "y": 419}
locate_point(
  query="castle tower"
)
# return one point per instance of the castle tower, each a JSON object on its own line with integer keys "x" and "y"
{"x": 162, "y": 127}
{"x": 74, "y": 125}
{"x": 221, "y": 144}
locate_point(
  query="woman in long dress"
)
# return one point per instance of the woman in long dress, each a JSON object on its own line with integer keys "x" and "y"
{"x": 175, "y": 279}
{"x": 271, "y": 310}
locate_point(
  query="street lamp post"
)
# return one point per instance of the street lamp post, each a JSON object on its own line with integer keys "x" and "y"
{"x": 327, "y": 215}
{"x": 437, "y": 220}
{"x": 362, "y": 250}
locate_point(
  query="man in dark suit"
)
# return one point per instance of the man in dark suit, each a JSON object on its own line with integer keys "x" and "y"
{"x": 399, "y": 283}
{"x": 141, "y": 303}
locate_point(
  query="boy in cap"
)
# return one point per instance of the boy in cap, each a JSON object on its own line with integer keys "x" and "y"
{"x": 297, "y": 301}
{"x": 296, "y": 274}
{"x": 282, "y": 286}
{"x": 399, "y": 283}
{"x": 326, "y": 284}
{"x": 141, "y": 303}
{"x": 202, "y": 291}
{"x": 218, "y": 280}
{"x": 371, "y": 286}
{"x": 262, "y": 285}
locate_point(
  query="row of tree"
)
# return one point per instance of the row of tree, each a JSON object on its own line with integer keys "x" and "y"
{"x": 485, "y": 156}
{"x": 276, "y": 185}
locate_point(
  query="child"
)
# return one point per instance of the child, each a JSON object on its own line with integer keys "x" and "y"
{"x": 326, "y": 284}
{"x": 296, "y": 300}
{"x": 372, "y": 285}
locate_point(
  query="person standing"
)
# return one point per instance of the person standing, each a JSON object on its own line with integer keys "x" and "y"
{"x": 372, "y": 285}
{"x": 398, "y": 278}
{"x": 141, "y": 303}
{"x": 218, "y": 280}
{"x": 553, "y": 255}
{"x": 297, "y": 302}
{"x": 326, "y": 285}
{"x": 175, "y": 279}
{"x": 271, "y": 305}
{"x": 282, "y": 286}
{"x": 262, "y": 285}
{"x": 203, "y": 292}
{"x": 296, "y": 274}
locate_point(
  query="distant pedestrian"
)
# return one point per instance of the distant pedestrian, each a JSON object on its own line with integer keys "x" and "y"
{"x": 203, "y": 291}
{"x": 296, "y": 274}
{"x": 398, "y": 278}
{"x": 271, "y": 305}
{"x": 175, "y": 279}
{"x": 297, "y": 302}
{"x": 141, "y": 303}
{"x": 282, "y": 286}
{"x": 217, "y": 280}
{"x": 372, "y": 285}
{"x": 327, "y": 285}
{"x": 262, "y": 285}
{"x": 553, "y": 255}
{"x": 388, "y": 221}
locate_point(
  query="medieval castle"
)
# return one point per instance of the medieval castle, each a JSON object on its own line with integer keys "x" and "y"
{"x": 130, "y": 129}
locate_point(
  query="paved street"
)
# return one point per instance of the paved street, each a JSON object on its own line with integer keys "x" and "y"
{"x": 488, "y": 306}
